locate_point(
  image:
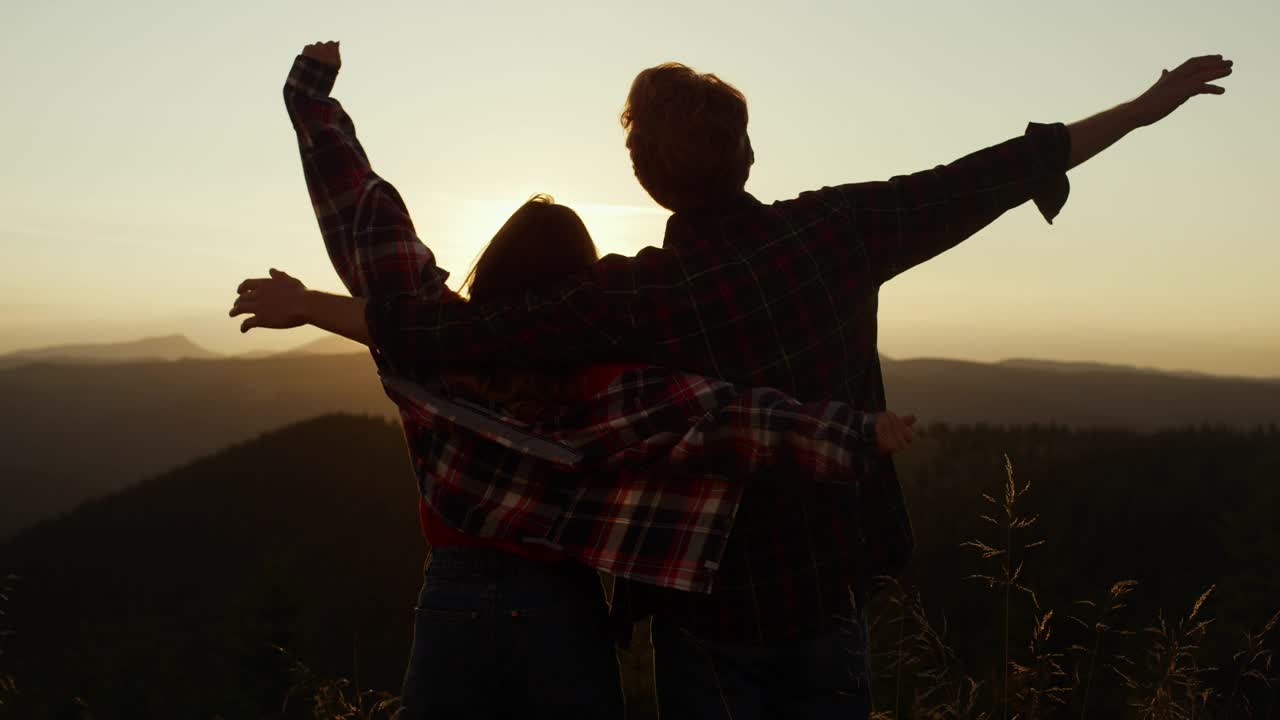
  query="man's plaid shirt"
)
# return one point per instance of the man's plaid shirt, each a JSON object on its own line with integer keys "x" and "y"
{"x": 665, "y": 453}
{"x": 782, "y": 295}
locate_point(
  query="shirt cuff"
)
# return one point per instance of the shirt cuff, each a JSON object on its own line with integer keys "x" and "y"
{"x": 311, "y": 77}
{"x": 868, "y": 429}
{"x": 1052, "y": 143}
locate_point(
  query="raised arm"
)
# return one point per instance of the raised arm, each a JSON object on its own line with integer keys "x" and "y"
{"x": 909, "y": 219}
{"x": 576, "y": 325}
{"x": 366, "y": 227}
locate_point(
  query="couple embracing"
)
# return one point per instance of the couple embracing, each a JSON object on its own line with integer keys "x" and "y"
{"x": 705, "y": 422}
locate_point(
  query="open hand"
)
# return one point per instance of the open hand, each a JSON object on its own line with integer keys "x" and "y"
{"x": 325, "y": 52}
{"x": 275, "y": 302}
{"x": 1193, "y": 77}
{"x": 893, "y": 433}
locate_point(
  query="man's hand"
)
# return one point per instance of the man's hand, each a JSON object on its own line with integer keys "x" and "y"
{"x": 276, "y": 302}
{"x": 325, "y": 52}
{"x": 894, "y": 433}
{"x": 1099, "y": 132}
{"x": 1193, "y": 77}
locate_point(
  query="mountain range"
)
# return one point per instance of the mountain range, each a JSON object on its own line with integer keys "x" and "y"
{"x": 167, "y": 347}
{"x": 78, "y": 422}
{"x": 164, "y": 347}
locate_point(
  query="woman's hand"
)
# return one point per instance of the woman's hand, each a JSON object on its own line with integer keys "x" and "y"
{"x": 894, "y": 433}
{"x": 325, "y": 52}
{"x": 276, "y": 302}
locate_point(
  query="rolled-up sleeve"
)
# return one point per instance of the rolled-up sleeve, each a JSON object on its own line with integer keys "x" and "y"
{"x": 909, "y": 219}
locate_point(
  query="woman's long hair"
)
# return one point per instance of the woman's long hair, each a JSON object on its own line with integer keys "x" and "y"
{"x": 540, "y": 245}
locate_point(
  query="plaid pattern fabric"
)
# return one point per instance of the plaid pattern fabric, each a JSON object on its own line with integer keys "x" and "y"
{"x": 664, "y": 455}
{"x": 664, "y": 452}
{"x": 782, "y": 295}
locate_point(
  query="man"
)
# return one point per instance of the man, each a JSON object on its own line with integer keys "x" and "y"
{"x": 782, "y": 295}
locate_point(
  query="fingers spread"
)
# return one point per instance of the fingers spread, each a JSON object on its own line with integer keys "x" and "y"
{"x": 900, "y": 432}
{"x": 250, "y": 284}
{"x": 884, "y": 432}
{"x": 1214, "y": 72}
{"x": 1208, "y": 63}
{"x": 1199, "y": 62}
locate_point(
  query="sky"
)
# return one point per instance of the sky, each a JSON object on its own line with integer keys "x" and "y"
{"x": 149, "y": 166}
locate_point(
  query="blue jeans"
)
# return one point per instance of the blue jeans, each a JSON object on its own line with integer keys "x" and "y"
{"x": 498, "y": 636}
{"x": 812, "y": 678}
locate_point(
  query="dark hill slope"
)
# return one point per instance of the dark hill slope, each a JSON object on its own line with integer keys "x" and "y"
{"x": 306, "y": 537}
{"x": 71, "y": 433}
{"x": 959, "y": 392}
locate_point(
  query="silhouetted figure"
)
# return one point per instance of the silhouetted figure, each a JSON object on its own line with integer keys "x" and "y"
{"x": 782, "y": 295}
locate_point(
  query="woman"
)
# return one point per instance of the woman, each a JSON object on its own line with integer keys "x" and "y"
{"x": 502, "y": 628}
{"x": 505, "y": 626}
{"x": 533, "y": 625}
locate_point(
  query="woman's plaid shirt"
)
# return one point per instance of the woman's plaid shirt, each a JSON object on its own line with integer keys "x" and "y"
{"x": 665, "y": 454}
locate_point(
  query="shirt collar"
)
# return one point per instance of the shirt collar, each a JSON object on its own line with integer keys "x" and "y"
{"x": 686, "y": 226}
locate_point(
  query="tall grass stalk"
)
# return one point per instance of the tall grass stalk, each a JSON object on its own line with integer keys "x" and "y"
{"x": 1255, "y": 662}
{"x": 1101, "y": 626}
{"x": 336, "y": 698}
{"x": 1009, "y": 577}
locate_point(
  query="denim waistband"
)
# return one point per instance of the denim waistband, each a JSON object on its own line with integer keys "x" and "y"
{"x": 479, "y": 561}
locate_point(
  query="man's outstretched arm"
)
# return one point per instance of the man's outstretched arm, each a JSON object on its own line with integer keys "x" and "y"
{"x": 901, "y": 223}
{"x": 909, "y": 219}
{"x": 1193, "y": 77}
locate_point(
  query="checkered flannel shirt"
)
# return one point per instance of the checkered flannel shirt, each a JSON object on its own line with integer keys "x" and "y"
{"x": 665, "y": 454}
{"x": 781, "y": 295}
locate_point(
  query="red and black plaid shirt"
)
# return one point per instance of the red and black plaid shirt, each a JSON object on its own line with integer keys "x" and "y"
{"x": 667, "y": 452}
{"x": 781, "y": 295}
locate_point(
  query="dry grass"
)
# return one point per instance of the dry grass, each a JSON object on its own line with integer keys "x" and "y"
{"x": 8, "y": 685}
{"x": 1046, "y": 678}
{"x": 1256, "y": 664}
{"x": 921, "y": 659}
{"x": 1176, "y": 690}
{"x": 1102, "y": 628}
{"x": 337, "y": 698}
{"x": 1008, "y": 575}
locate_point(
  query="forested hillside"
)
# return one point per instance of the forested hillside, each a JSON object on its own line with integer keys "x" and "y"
{"x": 164, "y": 600}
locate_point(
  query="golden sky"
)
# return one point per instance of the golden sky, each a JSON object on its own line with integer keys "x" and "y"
{"x": 149, "y": 165}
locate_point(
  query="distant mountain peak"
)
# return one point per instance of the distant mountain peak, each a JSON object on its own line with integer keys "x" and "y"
{"x": 160, "y": 347}
{"x": 1087, "y": 366}
{"x": 327, "y": 345}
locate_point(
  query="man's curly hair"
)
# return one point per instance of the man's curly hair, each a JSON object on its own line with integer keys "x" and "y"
{"x": 687, "y": 133}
